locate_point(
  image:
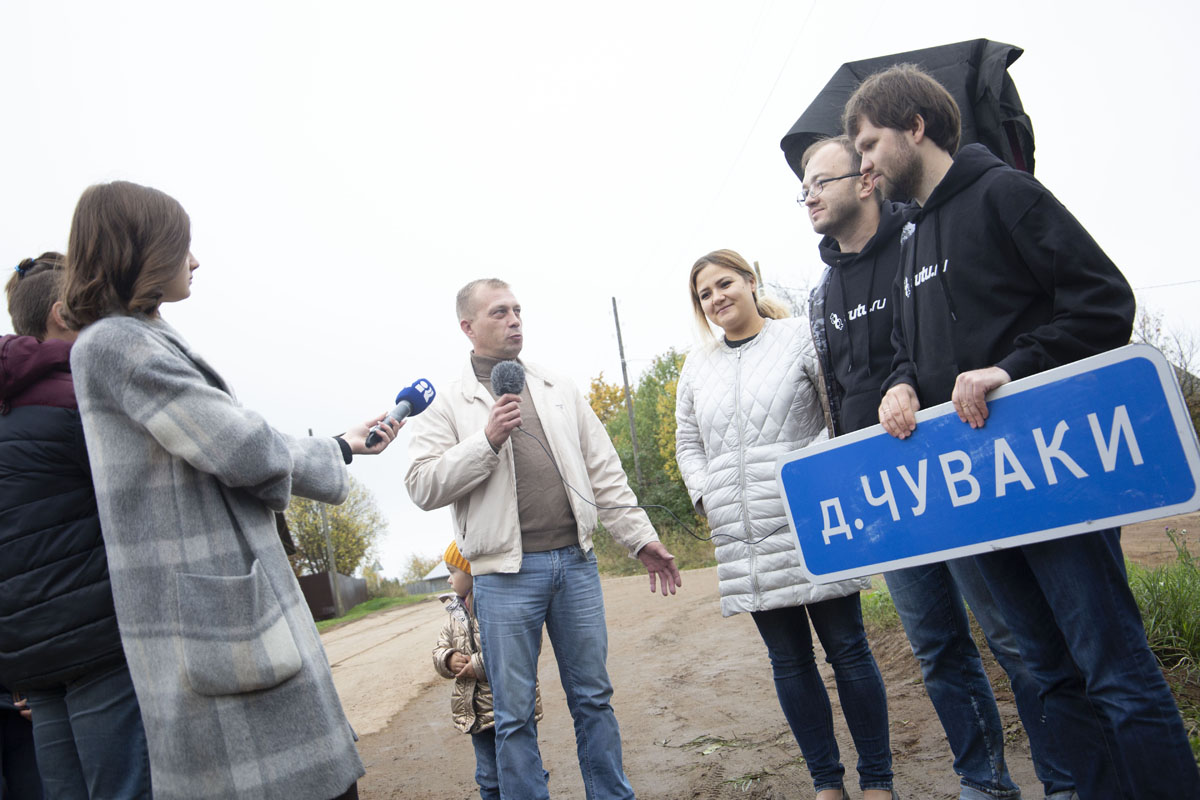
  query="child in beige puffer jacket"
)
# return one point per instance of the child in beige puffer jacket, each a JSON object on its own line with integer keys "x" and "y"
{"x": 459, "y": 655}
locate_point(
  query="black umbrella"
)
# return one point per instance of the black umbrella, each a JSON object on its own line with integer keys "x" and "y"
{"x": 974, "y": 72}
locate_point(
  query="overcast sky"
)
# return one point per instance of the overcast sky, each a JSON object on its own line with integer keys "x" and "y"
{"x": 348, "y": 166}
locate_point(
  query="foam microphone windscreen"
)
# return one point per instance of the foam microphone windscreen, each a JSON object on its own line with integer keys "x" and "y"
{"x": 508, "y": 377}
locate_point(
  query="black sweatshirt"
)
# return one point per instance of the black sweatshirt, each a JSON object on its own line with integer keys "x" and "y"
{"x": 996, "y": 272}
{"x": 851, "y": 317}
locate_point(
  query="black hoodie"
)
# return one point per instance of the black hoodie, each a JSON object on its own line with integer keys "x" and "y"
{"x": 996, "y": 272}
{"x": 851, "y": 316}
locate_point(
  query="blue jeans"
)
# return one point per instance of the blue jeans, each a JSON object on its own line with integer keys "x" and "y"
{"x": 89, "y": 737}
{"x": 486, "y": 775}
{"x": 560, "y": 588}
{"x": 802, "y": 694}
{"x": 929, "y": 599}
{"x": 1080, "y": 634}
{"x": 485, "y": 764}
{"x": 1049, "y": 761}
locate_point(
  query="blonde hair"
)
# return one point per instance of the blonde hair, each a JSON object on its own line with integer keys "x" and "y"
{"x": 465, "y": 302}
{"x": 767, "y": 308}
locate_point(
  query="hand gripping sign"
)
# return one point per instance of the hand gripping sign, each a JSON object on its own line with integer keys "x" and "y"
{"x": 1095, "y": 444}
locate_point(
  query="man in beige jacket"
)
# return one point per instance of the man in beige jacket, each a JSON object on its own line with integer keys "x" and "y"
{"x": 524, "y": 506}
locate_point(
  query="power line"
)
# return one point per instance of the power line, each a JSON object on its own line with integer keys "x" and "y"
{"x": 772, "y": 284}
{"x": 1165, "y": 285}
{"x": 733, "y": 166}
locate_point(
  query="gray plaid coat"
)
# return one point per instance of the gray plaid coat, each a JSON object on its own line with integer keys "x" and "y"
{"x": 234, "y": 686}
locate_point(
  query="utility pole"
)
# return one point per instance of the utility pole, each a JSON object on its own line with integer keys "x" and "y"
{"x": 332, "y": 571}
{"x": 637, "y": 464}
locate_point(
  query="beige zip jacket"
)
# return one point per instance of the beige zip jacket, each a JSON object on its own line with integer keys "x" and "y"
{"x": 453, "y": 464}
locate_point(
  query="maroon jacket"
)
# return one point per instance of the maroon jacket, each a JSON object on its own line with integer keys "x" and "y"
{"x": 34, "y": 373}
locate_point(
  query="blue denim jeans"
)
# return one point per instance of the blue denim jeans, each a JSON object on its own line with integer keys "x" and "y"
{"x": 89, "y": 737}
{"x": 560, "y": 588}
{"x": 485, "y": 764}
{"x": 1049, "y": 761}
{"x": 802, "y": 694}
{"x": 934, "y": 618}
{"x": 929, "y": 599}
{"x": 1080, "y": 634}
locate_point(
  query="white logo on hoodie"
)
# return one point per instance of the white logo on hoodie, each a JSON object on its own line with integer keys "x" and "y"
{"x": 836, "y": 321}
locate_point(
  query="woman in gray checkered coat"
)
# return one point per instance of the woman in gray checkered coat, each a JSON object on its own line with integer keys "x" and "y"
{"x": 235, "y": 690}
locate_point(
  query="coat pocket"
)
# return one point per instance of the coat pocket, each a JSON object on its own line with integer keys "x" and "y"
{"x": 235, "y": 638}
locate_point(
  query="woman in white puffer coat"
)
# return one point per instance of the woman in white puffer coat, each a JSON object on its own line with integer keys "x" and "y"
{"x": 743, "y": 401}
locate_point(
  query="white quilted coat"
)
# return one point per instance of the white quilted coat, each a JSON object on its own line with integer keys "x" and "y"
{"x": 737, "y": 410}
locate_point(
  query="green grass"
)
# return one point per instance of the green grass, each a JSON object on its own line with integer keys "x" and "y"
{"x": 689, "y": 552}
{"x": 1169, "y": 599}
{"x": 371, "y": 606}
{"x": 879, "y": 612}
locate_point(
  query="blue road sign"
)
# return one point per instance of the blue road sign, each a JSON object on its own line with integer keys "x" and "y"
{"x": 1102, "y": 442}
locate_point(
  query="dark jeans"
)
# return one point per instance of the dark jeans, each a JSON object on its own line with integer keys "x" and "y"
{"x": 90, "y": 740}
{"x": 19, "y": 778}
{"x": 802, "y": 694}
{"x": 929, "y": 599}
{"x": 1080, "y": 635}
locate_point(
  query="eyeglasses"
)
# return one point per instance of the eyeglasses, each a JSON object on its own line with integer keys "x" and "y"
{"x": 819, "y": 186}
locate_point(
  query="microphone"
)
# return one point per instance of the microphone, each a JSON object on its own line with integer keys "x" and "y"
{"x": 411, "y": 401}
{"x": 508, "y": 377}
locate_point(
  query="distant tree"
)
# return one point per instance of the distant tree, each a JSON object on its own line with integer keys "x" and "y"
{"x": 661, "y": 484}
{"x": 606, "y": 399}
{"x": 654, "y": 415}
{"x": 418, "y": 567}
{"x": 355, "y": 526}
{"x": 1182, "y": 350}
{"x": 794, "y": 298}
{"x": 373, "y": 574}
{"x": 664, "y": 433}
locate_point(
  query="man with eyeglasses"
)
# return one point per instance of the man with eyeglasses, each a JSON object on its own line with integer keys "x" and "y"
{"x": 851, "y": 317}
{"x": 1012, "y": 285}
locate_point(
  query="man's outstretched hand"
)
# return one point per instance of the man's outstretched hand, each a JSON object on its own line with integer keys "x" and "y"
{"x": 661, "y": 566}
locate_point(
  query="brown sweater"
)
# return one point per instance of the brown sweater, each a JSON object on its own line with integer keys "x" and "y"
{"x": 547, "y": 522}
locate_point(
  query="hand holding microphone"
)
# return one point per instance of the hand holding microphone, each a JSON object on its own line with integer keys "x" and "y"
{"x": 412, "y": 400}
{"x": 508, "y": 379}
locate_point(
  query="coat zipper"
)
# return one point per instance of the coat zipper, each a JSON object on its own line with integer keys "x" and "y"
{"x": 737, "y": 400}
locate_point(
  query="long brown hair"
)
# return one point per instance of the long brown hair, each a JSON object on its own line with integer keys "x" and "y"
{"x": 126, "y": 244}
{"x": 32, "y": 291}
{"x": 767, "y": 308}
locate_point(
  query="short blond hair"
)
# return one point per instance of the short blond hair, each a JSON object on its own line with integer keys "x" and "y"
{"x": 465, "y": 304}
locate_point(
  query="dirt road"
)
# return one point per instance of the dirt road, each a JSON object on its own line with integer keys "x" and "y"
{"x": 694, "y": 698}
